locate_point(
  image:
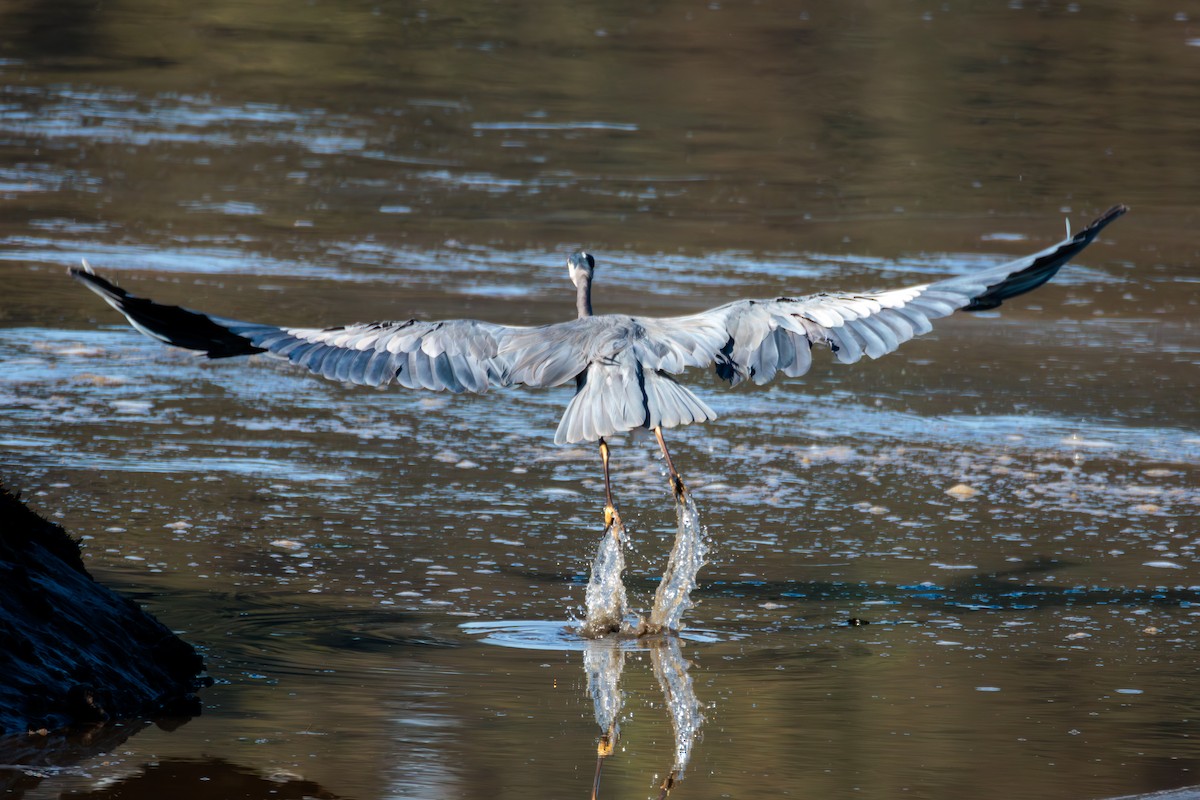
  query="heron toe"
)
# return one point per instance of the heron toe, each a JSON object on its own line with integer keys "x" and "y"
{"x": 612, "y": 520}
{"x": 678, "y": 488}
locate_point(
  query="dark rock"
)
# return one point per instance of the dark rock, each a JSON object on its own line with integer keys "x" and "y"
{"x": 71, "y": 650}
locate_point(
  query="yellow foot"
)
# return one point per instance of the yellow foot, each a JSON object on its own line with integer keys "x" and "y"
{"x": 612, "y": 520}
{"x": 678, "y": 488}
{"x": 646, "y": 629}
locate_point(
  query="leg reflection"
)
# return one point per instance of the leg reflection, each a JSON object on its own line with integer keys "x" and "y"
{"x": 671, "y": 670}
{"x": 603, "y": 660}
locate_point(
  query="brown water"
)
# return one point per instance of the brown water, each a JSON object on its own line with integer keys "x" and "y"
{"x": 315, "y": 164}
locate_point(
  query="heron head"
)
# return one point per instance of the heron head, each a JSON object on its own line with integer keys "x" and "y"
{"x": 580, "y": 265}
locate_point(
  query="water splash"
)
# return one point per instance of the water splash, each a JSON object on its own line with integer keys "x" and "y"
{"x": 671, "y": 670}
{"x": 606, "y": 599}
{"x": 673, "y": 597}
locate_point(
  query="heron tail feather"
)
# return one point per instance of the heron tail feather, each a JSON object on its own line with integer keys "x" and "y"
{"x": 618, "y": 397}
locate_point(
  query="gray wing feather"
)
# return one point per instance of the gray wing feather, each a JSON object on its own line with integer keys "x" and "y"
{"x": 455, "y": 356}
{"x": 460, "y": 355}
{"x": 755, "y": 339}
{"x": 622, "y": 364}
{"x": 375, "y": 370}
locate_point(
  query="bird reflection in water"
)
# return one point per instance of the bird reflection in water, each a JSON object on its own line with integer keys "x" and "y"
{"x": 604, "y": 661}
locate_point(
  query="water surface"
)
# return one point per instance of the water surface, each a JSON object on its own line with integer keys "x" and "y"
{"x": 345, "y": 557}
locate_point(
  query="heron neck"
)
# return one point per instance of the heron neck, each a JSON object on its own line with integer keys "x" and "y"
{"x": 583, "y": 297}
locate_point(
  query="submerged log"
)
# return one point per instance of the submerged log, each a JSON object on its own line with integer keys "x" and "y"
{"x": 71, "y": 650}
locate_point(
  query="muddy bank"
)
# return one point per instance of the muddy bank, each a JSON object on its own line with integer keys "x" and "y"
{"x": 72, "y": 651}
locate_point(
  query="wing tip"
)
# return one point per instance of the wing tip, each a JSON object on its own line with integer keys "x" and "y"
{"x": 82, "y": 271}
{"x": 1100, "y": 222}
{"x": 98, "y": 284}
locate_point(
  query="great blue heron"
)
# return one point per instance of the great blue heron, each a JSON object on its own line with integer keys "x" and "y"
{"x": 621, "y": 365}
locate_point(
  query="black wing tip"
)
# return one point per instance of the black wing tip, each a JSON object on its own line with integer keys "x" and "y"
{"x": 1045, "y": 267}
{"x": 83, "y": 274}
{"x": 180, "y": 327}
{"x": 83, "y": 271}
{"x": 1099, "y": 223}
{"x": 88, "y": 277}
{"x": 105, "y": 288}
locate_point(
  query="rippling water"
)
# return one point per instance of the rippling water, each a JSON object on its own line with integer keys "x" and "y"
{"x": 383, "y": 583}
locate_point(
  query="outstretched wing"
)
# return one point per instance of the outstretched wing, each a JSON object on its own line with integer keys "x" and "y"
{"x": 755, "y": 339}
{"x": 456, "y": 355}
{"x": 745, "y": 339}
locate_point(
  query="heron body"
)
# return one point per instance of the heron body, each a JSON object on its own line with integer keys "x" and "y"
{"x": 622, "y": 366}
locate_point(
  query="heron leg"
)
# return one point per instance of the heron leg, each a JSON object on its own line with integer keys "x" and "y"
{"x": 676, "y": 482}
{"x": 604, "y": 749}
{"x": 612, "y": 520}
